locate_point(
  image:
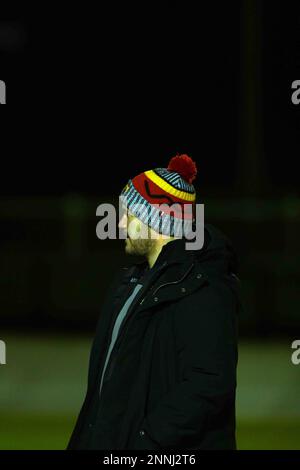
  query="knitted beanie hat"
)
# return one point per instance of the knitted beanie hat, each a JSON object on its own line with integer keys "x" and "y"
{"x": 164, "y": 198}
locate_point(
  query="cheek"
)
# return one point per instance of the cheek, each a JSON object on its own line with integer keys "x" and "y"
{"x": 131, "y": 229}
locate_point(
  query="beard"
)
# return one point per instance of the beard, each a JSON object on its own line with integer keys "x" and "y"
{"x": 139, "y": 246}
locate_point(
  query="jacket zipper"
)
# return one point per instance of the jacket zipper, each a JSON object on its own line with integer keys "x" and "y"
{"x": 174, "y": 282}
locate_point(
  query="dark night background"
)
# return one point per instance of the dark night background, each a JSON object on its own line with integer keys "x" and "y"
{"x": 98, "y": 94}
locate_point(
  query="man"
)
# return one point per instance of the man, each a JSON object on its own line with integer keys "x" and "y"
{"x": 162, "y": 372}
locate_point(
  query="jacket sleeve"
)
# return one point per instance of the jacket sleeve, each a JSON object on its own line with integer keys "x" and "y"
{"x": 206, "y": 349}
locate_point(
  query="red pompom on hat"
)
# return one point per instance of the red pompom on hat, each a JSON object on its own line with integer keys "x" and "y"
{"x": 184, "y": 166}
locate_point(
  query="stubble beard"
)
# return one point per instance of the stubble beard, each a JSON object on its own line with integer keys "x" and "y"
{"x": 139, "y": 247}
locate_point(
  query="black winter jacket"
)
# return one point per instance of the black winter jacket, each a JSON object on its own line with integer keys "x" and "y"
{"x": 171, "y": 379}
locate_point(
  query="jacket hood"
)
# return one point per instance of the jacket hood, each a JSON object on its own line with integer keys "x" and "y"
{"x": 217, "y": 253}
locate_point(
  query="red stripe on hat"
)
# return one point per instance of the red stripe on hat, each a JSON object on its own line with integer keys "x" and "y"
{"x": 163, "y": 197}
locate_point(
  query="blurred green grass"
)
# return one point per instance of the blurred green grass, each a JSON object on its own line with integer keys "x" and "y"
{"x": 44, "y": 381}
{"x": 27, "y": 431}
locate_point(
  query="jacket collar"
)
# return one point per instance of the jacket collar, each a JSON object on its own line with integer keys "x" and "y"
{"x": 171, "y": 253}
{"x": 174, "y": 252}
{"x": 178, "y": 271}
{"x": 174, "y": 274}
{"x": 216, "y": 257}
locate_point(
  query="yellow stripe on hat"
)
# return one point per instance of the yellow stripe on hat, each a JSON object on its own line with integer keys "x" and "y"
{"x": 168, "y": 187}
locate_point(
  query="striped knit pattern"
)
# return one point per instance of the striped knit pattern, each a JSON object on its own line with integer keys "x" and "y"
{"x": 143, "y": 194}
{"x": 175, "y": 180}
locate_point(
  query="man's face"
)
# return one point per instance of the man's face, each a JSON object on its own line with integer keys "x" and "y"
{"x": 138, "y": 241}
